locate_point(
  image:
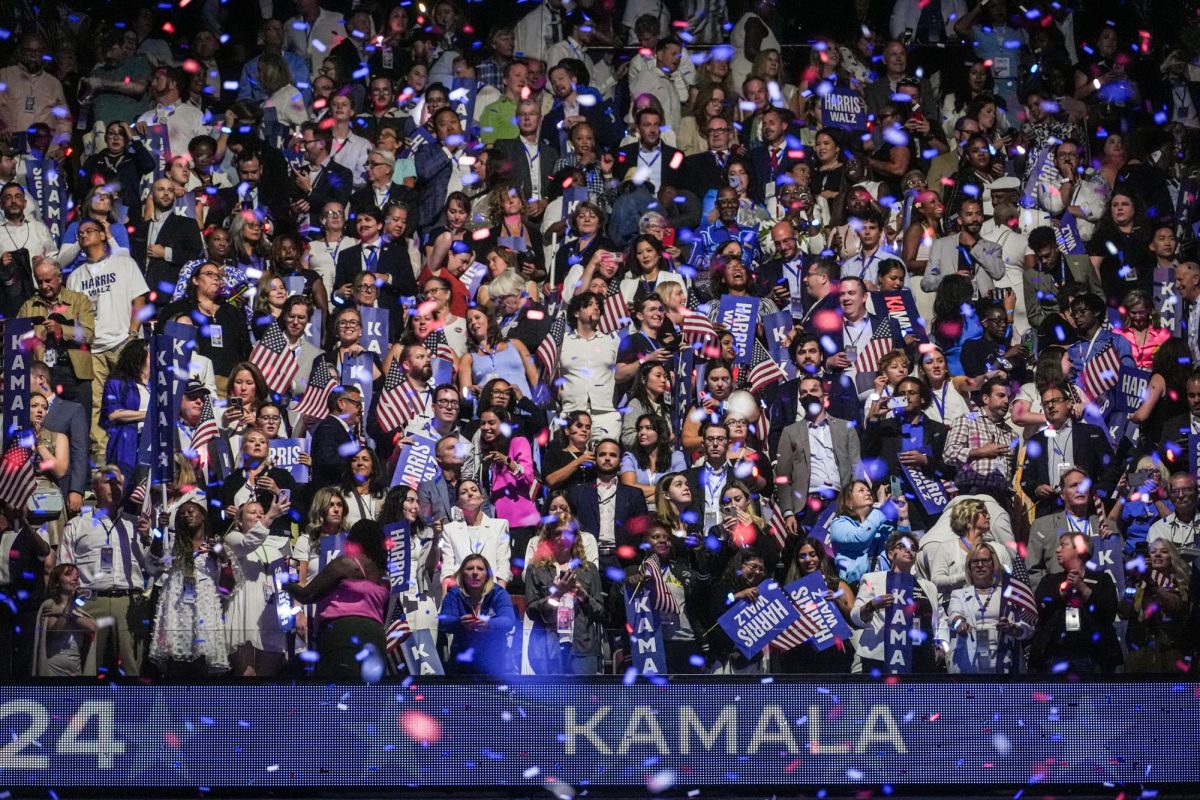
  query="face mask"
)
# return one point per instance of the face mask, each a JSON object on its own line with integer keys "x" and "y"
{"x": 811, "y": 404}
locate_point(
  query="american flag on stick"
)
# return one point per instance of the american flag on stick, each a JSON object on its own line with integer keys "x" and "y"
{"x": 548, "y": 350}
{"x": 777, "y": 527}
{"x": 438, "y": 347}
{"x": 399, "y": 402}
{"x": 1017, "y": 598}
{"x": 1100, "y": 374}
{"x": 206, "y": 430}
{"x": 800, "y": 631}
{"x": 274, "y": 358}
{"x": 17, "y": 478}
{"x": 661, "y": 599}
{"x": 879, "y": 346}
{"x": 763, "y": 370}
{"x": 614, "y": 311}
{"x": 314, "y": 403}
{"x": 697, "y": 328}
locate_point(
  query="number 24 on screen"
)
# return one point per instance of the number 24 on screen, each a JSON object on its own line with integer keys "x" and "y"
{"x": 71, "y": 742}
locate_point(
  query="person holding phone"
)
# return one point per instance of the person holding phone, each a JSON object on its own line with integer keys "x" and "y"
{"x": 478, "y": 612}
{"x": 566, "y": 605}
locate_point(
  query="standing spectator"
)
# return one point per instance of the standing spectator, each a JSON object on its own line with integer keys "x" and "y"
{"x": 256, "y": 642}
{"x": 32, "y": 95}
{"x": 1075, "y": 614}
{"x": 567, "y": 606}
{"x": 981, "y": 448}
{"x": 111, "y": 558}
{"x": 114, "y": 285}
{"x": 64, "y": 646}
{"x": 979, "y": 623}
{"x": 123, "y": 412}
{"x": 351, "y": 593}
{"x": 478, "y": 611}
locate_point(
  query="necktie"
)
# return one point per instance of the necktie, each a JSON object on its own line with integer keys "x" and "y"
{"x": 372, "y": 258}
{"x": 721, "y": 156}
{"x": 774, "y": 159}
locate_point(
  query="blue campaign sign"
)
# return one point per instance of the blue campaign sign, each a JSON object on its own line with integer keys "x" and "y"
{"x": 375, "y": 329}
{"x": 46, "y": 185}
{"x": 845, "y": 110}
{"x": 359, "y": 371}
{"x": 1108, "y": 556}
{"x": 753, "y": 626}
{"x": 331, "y": 548}
{"x": 776, "y": 327}
{"x": 720, "y": 734}
{"x": 808, "y": 595}
{"x": 933, "y": 494}
{"x": 416, "y": 461}
{"x": 740, "y": 316}
{"x": 1194, "y": 453}
{"x": 1066, "y": 233}
{"x": 285, "y": 454}
{"x": 443, "y": 371}
{"x": 897, "y": 627}
{"x": 421, "y": 654}
{"x": 646, "y": 648}
{"x": 399, "y": 555}
{"x": 1132, "y": 384}
{"x": 17, "y": 336}
{"x": 901, "y": 307}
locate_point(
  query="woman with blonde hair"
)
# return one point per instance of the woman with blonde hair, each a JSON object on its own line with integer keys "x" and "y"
{"x": 479, "y": 613}
{"x": 283, "y": 96}
{"x": 326, "y": 522}
{"x": 768, "y": 65}
{"x": 269, "y": 296}
{"x": 1158, "y": 635}
{"x": 986, "y": 631}
{"x": 566, "y": 604}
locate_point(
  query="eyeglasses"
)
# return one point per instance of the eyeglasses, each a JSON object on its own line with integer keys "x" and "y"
{"x": 436, "y": 290}
{"x": 366, "y": 287}
{"x": 711, "y": 131}
{"x": 975, "y": 562}
{"x": 715, "y": 439}
{"x": 269, "y": 418}
{"x": 1054, "y": 401}
{"x": 378, "y": 164}
{"x": 335, "y": 214}
{"x": 352, "y": 401}
{"x": 209, "y": 274}
{"x": 349, "y": 323}
{"x": 446, "y": 403}
{"x": 1183, "y": 490}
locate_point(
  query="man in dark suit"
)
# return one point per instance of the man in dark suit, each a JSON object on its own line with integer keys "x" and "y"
{"x": 848, "y": 340}
{"x": 703, "y": 171}
{"x": 380, "y": 190}
{"x": 335, "y": 432}
{"x": 254, "y": 191}
{"x": 321, "y": 179}
{"x": 389, "y": 264}
{"x": 567, "y": 90}
{"x": 782, "y": 278}
{"x": 1176, "y": 431}
{"x": 435, "y": 167}
{"x": 69, "y": 418}
{"x": 783, "y": 399}
{"x": 708, "y": 478}
{"x": 649, "y": 155}
{"x": 526, "y": 158}
{"x": 1064, "y": 445}
{"x": 166, "y": 241}
{"x": 610, "y": 525}
{"x": 771, "y": 159}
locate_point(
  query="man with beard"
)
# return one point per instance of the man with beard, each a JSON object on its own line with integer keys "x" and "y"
{"x": 966, "y": 253}
{"x": 1003, "y": 228}
{"x": 607, "y": 506}
{"x": 166, "y": 241}
{"x": 784, "y": 406}
{"x": 570, "y": 109}
{"x": 817, "y": 456}
{"x": 983, "y": 448}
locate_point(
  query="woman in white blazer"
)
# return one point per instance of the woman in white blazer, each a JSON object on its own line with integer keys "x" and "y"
{"x": 475, "y": 532}
{"x": 985, "y": 629}
{"x": 873, "y": 604}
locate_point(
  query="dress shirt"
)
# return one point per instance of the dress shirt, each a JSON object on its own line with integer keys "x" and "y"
{"x": 972, "y": 431}
{"x": 86, "y": 537}
{"x": 351, "y": 153}
{"x": 532, "y": 156}
{"x": 1176, "y": 531}
{"x": 712, "y": 483}
{"x": 607, "y": 492}
{"x": 28, "y": 98}
{"x": 29, "y": 234}
{"x": 1060, "y": 447}
{"x": 867, "y": 266}
{"x": 458, "y": 171}
{"x": 587, "y": 372}
{"x": 823, "y": 470}
{"x": 183, "y": 120}
{"x": 651, "y": 162}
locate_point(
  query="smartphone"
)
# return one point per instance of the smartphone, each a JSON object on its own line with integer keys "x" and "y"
{"x": 285, "y": 495}
{"x": 235, "y": 402}
{"x": 896, "y": 489}
{"x": 668, "y": 239}
{"x": 1138, "y": 478}
{"x": 897, "y": 404}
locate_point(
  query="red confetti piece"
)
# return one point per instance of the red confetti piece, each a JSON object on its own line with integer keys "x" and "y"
{"x": 168, "y": 27}
{"x": 171, "y": 739}
{"x": 420, "y": 727}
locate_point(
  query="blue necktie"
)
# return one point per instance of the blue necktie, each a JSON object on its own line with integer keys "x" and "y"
{"x": 372, "y": 258}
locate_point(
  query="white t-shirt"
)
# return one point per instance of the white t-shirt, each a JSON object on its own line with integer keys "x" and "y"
{"x": 112, "y": 284}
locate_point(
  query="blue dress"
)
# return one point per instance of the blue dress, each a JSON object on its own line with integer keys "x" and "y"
{"x": 122, "y": 450}
{"x": 506, "y": 364}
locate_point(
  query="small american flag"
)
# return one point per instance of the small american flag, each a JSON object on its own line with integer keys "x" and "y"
{"x": 17, "y": 478}
{"x": 314, "y": 403}
{"x": 763, "y": 370}
{"x": 397, "y": 632}
{"x": 548, "y": 350}
{"x": 697, "y": 328}
{"x": 799, "y": 631}
{"x": 274, "y": 358}
{"x": 879, "y": 346}
{"x": 206, "y": 428}
{"x": 1100, "y": 374}
{"x": 399, "y": 402}
{"x": 777, "y": 527}
{"x": 661, "y": 598}
{"x": 1161, "y": 579}
{"x": 438, "y": 347}
{"x": 1017, "y": 598}
{"x": 614, "y": 311}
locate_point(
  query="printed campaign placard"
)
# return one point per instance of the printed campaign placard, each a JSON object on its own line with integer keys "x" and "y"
{"x": 645, "y": 637}
{"x": 740, "y": 316}
{"x": 808, "y": 595}
{"x": 416, "y": 461}
{"x": 753, "y": 626}
{"x": 285, "y": 454}
{"x": 845, "y": 110}
{"x": 375, "y": 329}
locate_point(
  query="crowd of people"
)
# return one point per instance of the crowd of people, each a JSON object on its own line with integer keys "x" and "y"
{"x": 960, "y": 232}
